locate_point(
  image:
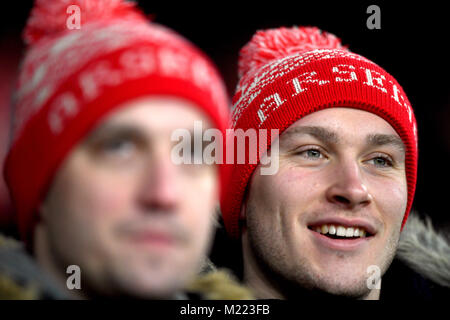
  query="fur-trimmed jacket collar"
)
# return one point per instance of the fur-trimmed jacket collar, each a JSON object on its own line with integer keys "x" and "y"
{"x": 425, "y": 250}
{"x": 421, "y": 268}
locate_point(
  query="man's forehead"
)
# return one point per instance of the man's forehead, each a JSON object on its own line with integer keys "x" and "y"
{"x": 322, "y": 132}
{"x": 159, "y": 113}
{"x": 143, "y": 126}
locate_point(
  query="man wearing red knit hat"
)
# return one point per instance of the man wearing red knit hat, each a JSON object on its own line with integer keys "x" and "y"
{"x": 328, "y": 221}
{"x": 89, "y": 168}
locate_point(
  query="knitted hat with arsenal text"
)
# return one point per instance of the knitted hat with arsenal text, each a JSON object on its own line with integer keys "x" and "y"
{"x": 70, "y": 79}
{"x": 288, "y": 73}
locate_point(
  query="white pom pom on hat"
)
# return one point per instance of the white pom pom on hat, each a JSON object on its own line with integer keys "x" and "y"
{"x": 48, "y": 17}
{"x": 271, "y": 44}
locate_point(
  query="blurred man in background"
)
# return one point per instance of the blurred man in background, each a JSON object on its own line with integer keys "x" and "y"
{"x": 90, "y": 169}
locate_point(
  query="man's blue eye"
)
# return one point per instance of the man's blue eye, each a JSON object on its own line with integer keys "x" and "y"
{"x": 117, "y": 146}
{"x": 382, "y": 162}
{"x": 312, "y": 153}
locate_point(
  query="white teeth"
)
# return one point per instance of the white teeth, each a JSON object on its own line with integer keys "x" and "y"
{"x": 349, "y": 232}
{"x": 331, "y": 229}
{"x": 341, "y": 231}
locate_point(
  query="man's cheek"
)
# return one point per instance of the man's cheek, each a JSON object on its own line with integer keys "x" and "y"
{"x": 95, "y": 210}
{"x": 198, "y": 213}
{"x": 105, "y": 199}
{"x": 392, "y": 198}
{"x": 201, "y": 195}
{"x": 294, "y": 189}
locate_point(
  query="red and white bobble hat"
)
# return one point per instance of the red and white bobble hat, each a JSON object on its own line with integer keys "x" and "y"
{"x": 288, "y": 73}
{"x": 70, "y": 79}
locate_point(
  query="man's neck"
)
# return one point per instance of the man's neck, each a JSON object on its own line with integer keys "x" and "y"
{"x": 260, "y": 287}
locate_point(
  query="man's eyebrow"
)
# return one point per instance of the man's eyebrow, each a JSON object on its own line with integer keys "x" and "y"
{"x": 385, "y": 139}
{"x": 323, "y": 134}
{"x": 114, "y": 130}
{"x": 327, "y": 136}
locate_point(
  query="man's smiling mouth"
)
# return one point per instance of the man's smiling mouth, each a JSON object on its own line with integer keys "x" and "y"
{"x": 340, "y": 232}
{"x": 340, "y": 238}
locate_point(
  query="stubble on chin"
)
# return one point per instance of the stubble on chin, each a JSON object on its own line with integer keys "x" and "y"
{"x": 289, "y": 274}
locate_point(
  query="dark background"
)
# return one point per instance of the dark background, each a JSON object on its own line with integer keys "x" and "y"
{"x": 411, "y": 45}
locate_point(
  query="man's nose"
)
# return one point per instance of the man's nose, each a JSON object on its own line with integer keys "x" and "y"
{"x": 348, "y": 189}
{"x": 160, "y": 189}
